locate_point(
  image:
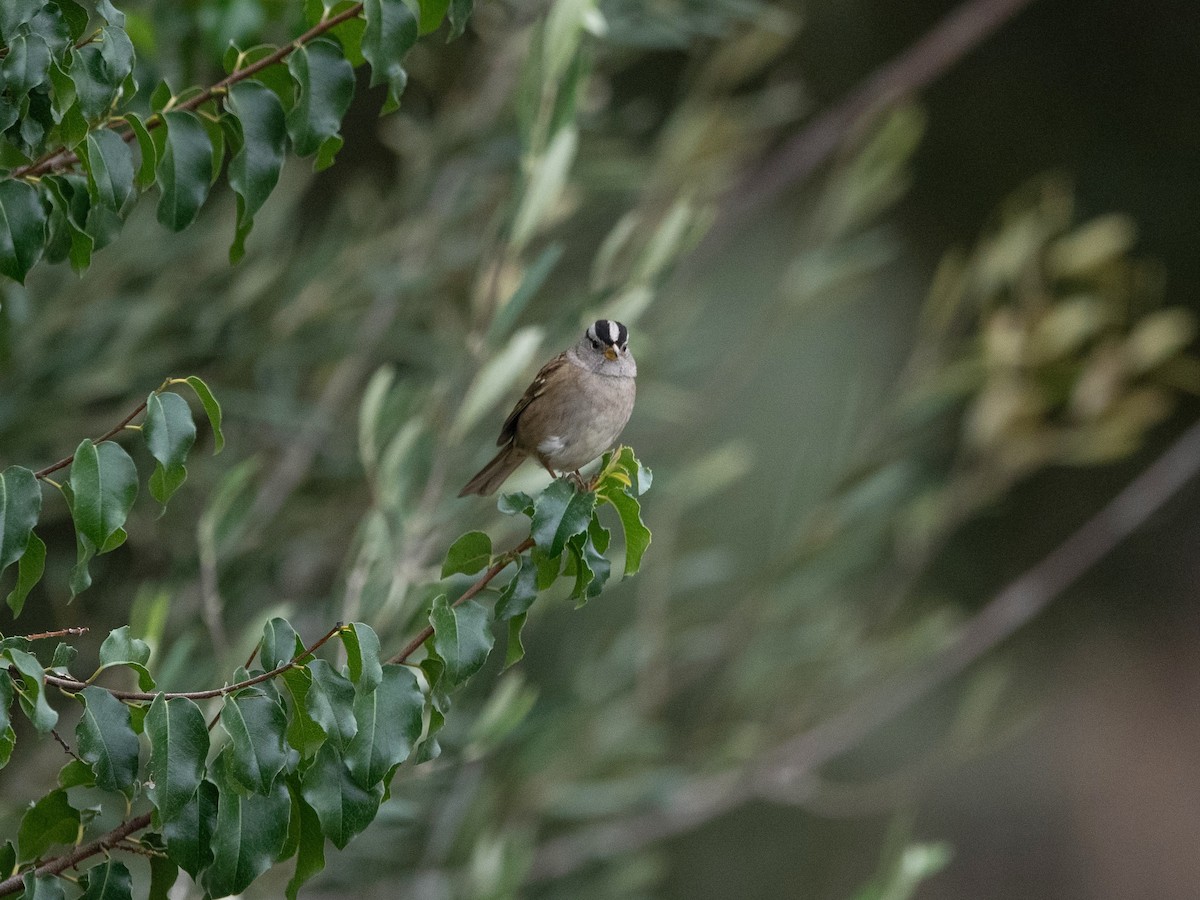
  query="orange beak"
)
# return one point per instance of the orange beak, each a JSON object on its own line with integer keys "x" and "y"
{"x": 610, "y": 353}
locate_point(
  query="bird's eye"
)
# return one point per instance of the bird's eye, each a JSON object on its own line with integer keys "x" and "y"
{"x": 595, "y": 344}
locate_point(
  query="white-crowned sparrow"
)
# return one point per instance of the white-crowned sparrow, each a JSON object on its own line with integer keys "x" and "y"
{"x": 572, "y": 412}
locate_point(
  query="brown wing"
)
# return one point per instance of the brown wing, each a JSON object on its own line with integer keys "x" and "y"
{"x": 508, "y": 431}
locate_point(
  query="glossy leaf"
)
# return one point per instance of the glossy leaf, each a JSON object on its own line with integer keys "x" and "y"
{"x": 343, "y": 807}
{"x": 50, "y": 821}
{"x": 325, "y": 82}
{"x": 310, "y": 847}
{"x": 185, "y": 170}
{"x": 256, "y": 724}
{"x": 164, "y": 482}
{"x": 303, "y": 732}
{"x": 515, "y": 651}
{"x": 432, "y": 14}
{"x": 362, "y": 656}
{"x": 560, "y": 513}
{"x": 462, "y": 638}
{"x": 147, "y": 149}
{"x": 254, "y": 169}
{"x": 42, "y": 887}
{"x": 163, "y": 875}
{"x": 14, "y": 14}
{"x": 27, "y": 64}
{"x": 109, "y": 164}
{"x": 106, "y": 740}
{"x": 20, "y": 506}
{"x": 31, "y": 690}
{"x": 389, "y": 725}
{"x": 104, "y": 484}
{"x": 95, "y": 89}
{"x": 22, "y": 229}
{"x": 211, "y": 408}
{"x": 250, "y": 832}
{"x": 168, "y": 428}
{"x": 121, "y": 649}
{"x": 330, "y": 702}
{"x": 178, "y": 748}
{"x": 108, "y": 881}
{"x": 391, "y": 30}
{"x": 280, "y": 643}
{"x": 189, "y": 834}
{"x": 469, "y": 554}
{"x": 520, "y": 592}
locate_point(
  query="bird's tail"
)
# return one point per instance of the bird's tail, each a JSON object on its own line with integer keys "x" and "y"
{"x": 493, "y": 474}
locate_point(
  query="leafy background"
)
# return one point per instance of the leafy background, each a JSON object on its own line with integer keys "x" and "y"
{"x": 849, "y": 457}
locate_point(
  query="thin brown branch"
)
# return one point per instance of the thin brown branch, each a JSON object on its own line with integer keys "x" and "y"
{"x": 74, "y": 685}
{"x": 494, "y": 570}
{"x": 63, "y": 158}
{"x": 66, "y": 747}
{"x": 14, "y": 883}
{"x": 73, "y": 631}
{"x": 116, "y": 429}
{"x": 788, "y": 764}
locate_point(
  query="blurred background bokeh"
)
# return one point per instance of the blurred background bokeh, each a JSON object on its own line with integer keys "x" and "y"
{"x": 871, "y": 399}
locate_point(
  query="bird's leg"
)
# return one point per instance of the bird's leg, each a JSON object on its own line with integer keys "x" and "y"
{"x": 546, "y": 466}
{"x": 578, "y": 480}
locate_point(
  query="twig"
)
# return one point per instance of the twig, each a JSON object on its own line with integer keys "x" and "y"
{"x": 494, "y": 570}
{"x": 66, "y": 747}
{"x": 73, "y": 631}
{"x": 116, "y": 429}
{"x": 63, "y": 158}
{"x": 14, "y": 883}
{"x": 1014, "y": 606}
{"x": 74, "y": 685}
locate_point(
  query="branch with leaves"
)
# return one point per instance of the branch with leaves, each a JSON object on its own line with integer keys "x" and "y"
{"x": 308, "y": 748}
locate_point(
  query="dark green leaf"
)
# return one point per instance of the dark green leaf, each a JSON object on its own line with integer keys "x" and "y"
{"x": 108, "y": 881}
{"x": 330, "y": 702}
{"x": 107, "y": 741}
{"x": 110, "y": 169}
{"x": 211, "y": 408}
{"x": 189, "y": 835}
{"x": 169, "y": 429}
{"x": 20, "y": 506}
{"x": 637, "y": 535}
{"x": 303, "y": 732}
{"x": 120, "y": 649}
{"x": 310, "y": 850}
{"x": 27, "y": 64}
{"x": 462, "y": 637}
{"x": 42, "y": 887}
{"x": 51, "y": 25}
{"x": 48, "y": 822}
{"x": 254, "y": 169}
{"x": 515, "y": 651}
{"x": 460, "y": 12}
{"x": 326, "y": 86}
{"x": 362, "y": 656}
{"x": 75, "y": 17}
{"x": 163, "y": 874}
{"x": 432, "y": 14}
{"x": 280, "y": 643}
{"x": 147, "y": 149}
{"x": 71, "y": 202}
{"x": 104, "y": 484}
{"x": 256, "y": 724}
{"x": 32, "y": 689}
{"x": 391, "y": 30}
{"x": 6, "y": 698}
{"x": 116, "y": 50}
{"x": 76, "y": 773}
{"x": 95, "y": 89}
{"x": 342, "y": 806}
{"x": 14, "y": 14}
{"x": 22, "y": 229}
{"x": 469, "y": 554}
{"x": 178, "y": 748}
{"x": 251, "y": 830}
{"x": 165, "y": 482}
{"x": 520, "y": 592}
{"x": 515, "y": 503}
{"x": 111, "y": 14}
{"x": 560, "y": 513}
{"x": 184, "y": 170}
{"x": 389, "y": 726}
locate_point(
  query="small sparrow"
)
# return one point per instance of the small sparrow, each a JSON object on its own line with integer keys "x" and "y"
{"x": 573, "y": 411}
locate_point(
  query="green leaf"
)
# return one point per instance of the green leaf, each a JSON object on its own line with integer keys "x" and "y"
{"x": 520, "y": 592}
{"x": 326, "y": 86}
{"x": 460, "y": 13}
{"x": 163, "y": 875}
{"x": 389, "y": 726}
{"x": 116, "y": 50}
{"x": 14, "y": 14}
{"x": 462, "y": 637}
{"x": 432, "y": 14}
{"x": 42, "y": 887}
{"x": 75, "y": 17}
{"x": 515, "y": 503}
{"x": 104, "y": 484}
{"x": 211, "y": 408}
{"x": 303, "y": 732}
{"x": 189, "y": 835}
{"x": 330, "y": 702}
{"x": 342, "y": 806}
{"x": 561, "y": 512}
{"x": 178, "y": 748}
{"x": 256, "y": 725}
{"x": 250, "y": 832}
{"x": 637, "y": 535}
{"x": 95, "y": 88}
{"x": 592, "y": 569}
{"x": 469, "y": 554}
{"x": 391, "y": 30}
{"x": 22, "y": 229}
{"x": 50, "y": 821}
{"x": 515, "y": 651}
{"x": 20, "y": 506}
{"x": 119, "y": 649}
{"x": 165, "y": 482}
{"x": 71, "y": 203}
{"x": 6, "y": 699}
{"x": 185, "y": 170}
{"x": 76, "y": 773}
{"x": 168, "y": 429}
{"x": 108, "y": 881}
{"x": 362, "y": 656}
{"x": 109, "y": 163}
{"x": 147, "y": 149}
{"x": 310, "y": 851}
{"x": 280, "y": 643}
{"x": 107, "y": 741}
{"x": 111, "y": 14}
{"x": 32, "y": 689}
{"x": 254, "y": 169}
{"x": 27, "y": 64}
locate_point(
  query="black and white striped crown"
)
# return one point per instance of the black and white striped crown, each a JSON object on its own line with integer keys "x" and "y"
{"x": 608, "y": 332}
